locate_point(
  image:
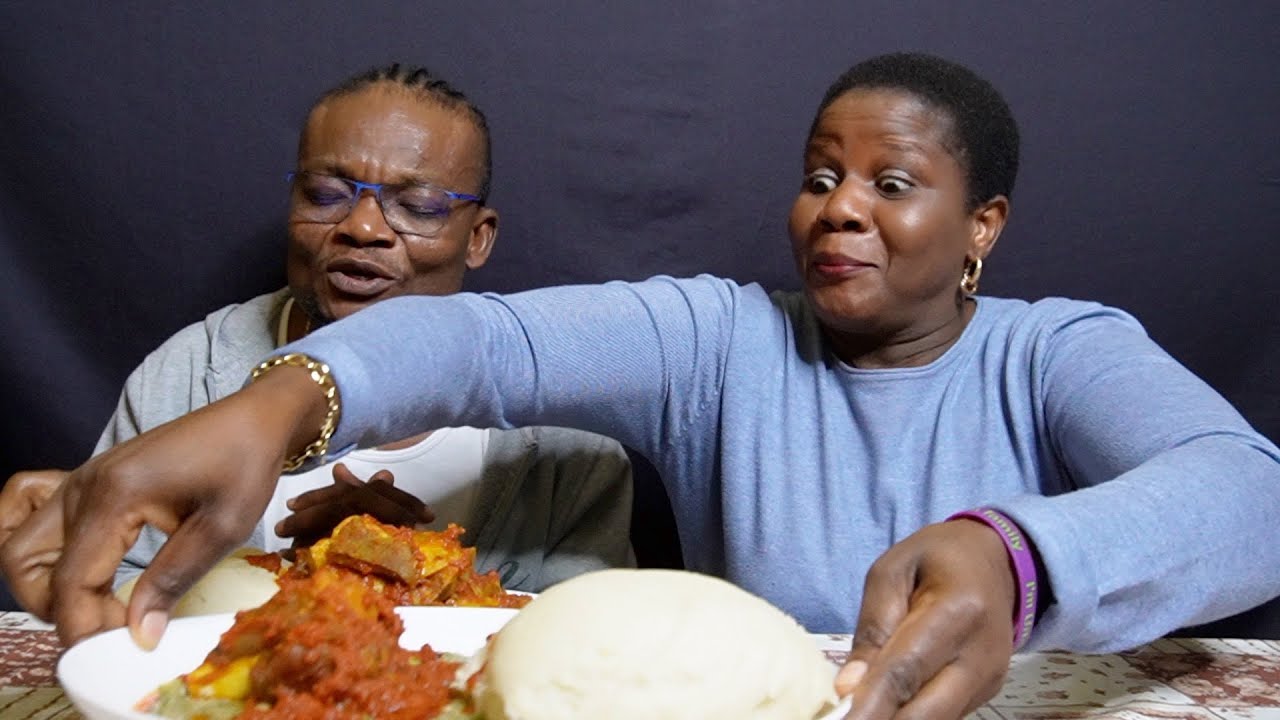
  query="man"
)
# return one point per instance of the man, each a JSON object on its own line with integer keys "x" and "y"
{"x": 388, "y": 199}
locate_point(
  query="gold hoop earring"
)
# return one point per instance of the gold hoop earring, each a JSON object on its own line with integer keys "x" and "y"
{"x": 969, "y": 278}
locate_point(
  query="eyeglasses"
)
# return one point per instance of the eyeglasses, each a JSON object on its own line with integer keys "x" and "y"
{"x": 411, "y": 208}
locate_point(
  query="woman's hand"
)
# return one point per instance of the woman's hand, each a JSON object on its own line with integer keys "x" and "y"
{"x": 203, "y": 478}
{"x": 317, "y": 512}
{"x": 935, "y": 632}
{"x": 24, "y": 493}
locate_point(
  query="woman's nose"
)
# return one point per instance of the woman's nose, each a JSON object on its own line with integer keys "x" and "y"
{"x": 847, "y": 208}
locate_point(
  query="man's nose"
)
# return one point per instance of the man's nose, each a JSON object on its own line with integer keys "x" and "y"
{"x": 848, "y": 207}
{"x": 366, "y": 224}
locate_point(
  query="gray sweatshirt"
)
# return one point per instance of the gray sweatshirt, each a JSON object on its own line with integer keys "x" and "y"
{"x": 1151, "y": 501}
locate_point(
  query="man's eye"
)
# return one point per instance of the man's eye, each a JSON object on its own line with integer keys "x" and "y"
{"x": 891, "y": 185}
{"x": 317, "y": 196}
{"x": 820, "y": 182}
{"x": 424, "y": 209}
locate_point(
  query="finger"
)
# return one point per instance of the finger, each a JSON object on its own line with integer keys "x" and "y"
{"x": 850, "y": 674}
{"x": 81, "y": 588}
{"x": 12, "y": 516}
{"x": 886, "y": 598}
{"x": 326, "y": 495}
{"x": 924, "y": 642}
{"x": 416, "y": 510}
{"x": 343, "y": 481}
{"x": 29, "y": 556}
{"x": 343, "y": 475}
{"x": 195, "y": 546}
{"x": 954, "y": 692}
{"x": 46, "y": 484}
{"x": 314, "y": 521}
{"x": 23, "y": 494}
{"x": 398, "y": 509}
{"x": 35, "y": 496}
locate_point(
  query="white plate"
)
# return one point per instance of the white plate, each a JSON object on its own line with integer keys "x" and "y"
{"x": 106, "y": 675}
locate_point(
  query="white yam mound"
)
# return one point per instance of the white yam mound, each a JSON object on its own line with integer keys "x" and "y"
{"x": 230, "y": 586}
{"x": 653, "y": 645}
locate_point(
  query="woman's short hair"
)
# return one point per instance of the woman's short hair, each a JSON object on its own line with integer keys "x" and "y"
{"x": 984, "y": 135}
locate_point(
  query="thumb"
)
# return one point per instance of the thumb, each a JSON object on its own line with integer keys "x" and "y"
{"x": 196, "y": 545}
{"x": 886, "y": 600}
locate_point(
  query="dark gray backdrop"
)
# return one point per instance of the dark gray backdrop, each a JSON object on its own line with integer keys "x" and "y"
{"x": 142, "y": 149}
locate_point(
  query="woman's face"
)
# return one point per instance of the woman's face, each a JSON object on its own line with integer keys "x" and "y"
{"x": 386, "y": 134}
{"x": 880, "y": 230}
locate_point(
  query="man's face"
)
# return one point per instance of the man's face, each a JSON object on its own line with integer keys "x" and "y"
{"x": 388, "y": 134}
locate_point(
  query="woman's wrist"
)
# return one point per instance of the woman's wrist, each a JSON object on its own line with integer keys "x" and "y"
{"x": 1022, "y": 561}
{"x": 303, "y": 391}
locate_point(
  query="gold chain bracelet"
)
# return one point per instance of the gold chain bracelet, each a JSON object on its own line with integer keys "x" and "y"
{"x": 321, "y": 376}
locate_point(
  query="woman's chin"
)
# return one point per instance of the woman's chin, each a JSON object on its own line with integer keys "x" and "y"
{"x": 840, "y": 310}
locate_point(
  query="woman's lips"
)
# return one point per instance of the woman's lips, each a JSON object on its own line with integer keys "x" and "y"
{"x": 835, "y": 267}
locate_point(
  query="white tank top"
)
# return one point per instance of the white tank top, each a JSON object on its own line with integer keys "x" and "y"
{"x": 443, "y": 470}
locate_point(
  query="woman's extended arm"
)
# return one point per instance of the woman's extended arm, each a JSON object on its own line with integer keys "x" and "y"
{"x": 1174, "y": 519}
{"x": 638, "y": 362}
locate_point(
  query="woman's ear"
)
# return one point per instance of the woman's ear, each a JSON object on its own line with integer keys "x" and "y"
{"x": 484, "y": 231}
{"x": 988, "y": 220}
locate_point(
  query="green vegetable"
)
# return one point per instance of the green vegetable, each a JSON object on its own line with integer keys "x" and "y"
{"x": 172, "y": 701}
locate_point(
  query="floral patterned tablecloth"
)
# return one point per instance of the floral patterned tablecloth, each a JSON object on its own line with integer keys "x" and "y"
{"x": 1166, "y": 680}
{"x": 1172, "y": 679}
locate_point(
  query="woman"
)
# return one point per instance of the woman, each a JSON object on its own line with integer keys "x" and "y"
{"x": 809, "y": 440}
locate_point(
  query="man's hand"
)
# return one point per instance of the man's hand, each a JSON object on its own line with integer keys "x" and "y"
{"x": 317, "y": 512}
{"x": 23, "y": 494}
{"x": 935, "y": 632}
{"x": 204, "y": 479}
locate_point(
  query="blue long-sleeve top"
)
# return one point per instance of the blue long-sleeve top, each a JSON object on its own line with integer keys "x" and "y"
{"x": 1151, "y": 501}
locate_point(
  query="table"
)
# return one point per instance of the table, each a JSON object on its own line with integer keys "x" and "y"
{"x": 1184, "y": 679}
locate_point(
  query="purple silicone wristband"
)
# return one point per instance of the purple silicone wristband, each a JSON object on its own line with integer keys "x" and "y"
{"x": 1024, "y": 567}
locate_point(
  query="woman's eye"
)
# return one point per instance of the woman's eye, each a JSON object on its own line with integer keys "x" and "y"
{"x": 820, "y": 182}
{"x": 891, "y": 185}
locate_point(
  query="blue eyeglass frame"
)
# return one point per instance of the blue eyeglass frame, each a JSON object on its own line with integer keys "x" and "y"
{"x": 377, "y": 187}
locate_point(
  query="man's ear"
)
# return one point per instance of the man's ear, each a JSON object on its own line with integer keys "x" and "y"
{"x": 484, "y": 231}
{"x": 988, "y": 221}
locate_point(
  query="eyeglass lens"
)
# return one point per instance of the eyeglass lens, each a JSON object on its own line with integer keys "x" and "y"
{"x": 413, "y": 209}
